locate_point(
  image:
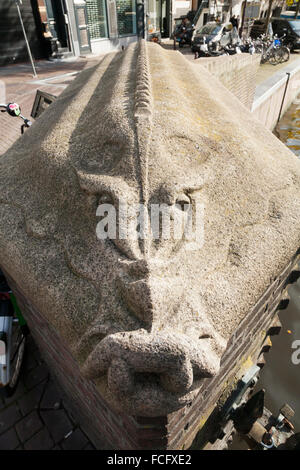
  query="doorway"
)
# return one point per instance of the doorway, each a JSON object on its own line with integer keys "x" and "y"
{"x": 159, "y": 17}
{"x": 57, "y": 20}
{"x": 82, "y": 28}
{"x": 164, "y": 18}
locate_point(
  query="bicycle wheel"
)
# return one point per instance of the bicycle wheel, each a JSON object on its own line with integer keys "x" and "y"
{"x": 274, "y": 57}
{"x": 264, "y": 58}
{"x": 284, "y": 54}
{"x": 280, "y": 55}
{"x": 264, "y": 55}
{"x": 18, "y": 341}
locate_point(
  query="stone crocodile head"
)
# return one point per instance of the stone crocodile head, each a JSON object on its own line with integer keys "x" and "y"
{"x": 158, "y": 363}
{"x": 148, "y": 318}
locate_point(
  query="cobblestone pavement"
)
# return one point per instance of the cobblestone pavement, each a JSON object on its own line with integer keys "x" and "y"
{"x": 36, "y": 417}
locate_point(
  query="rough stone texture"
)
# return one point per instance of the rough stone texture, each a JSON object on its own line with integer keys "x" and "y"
{"x": 236, "y": 72}
{"x": 149, "y": 320}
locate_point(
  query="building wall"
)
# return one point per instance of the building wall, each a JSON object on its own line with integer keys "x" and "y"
{"x": 236, "y": 72}
{"x": 181, "y": 7}
{"x": 104, "y": 46}
{"x": 265, "y": 4}
{"x": 237, "y": 6}
{"x": 108, "y": 35}
{"x": 12, "y": 42}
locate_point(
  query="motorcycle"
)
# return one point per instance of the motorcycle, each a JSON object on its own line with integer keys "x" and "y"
{"x": 207, "y": 50}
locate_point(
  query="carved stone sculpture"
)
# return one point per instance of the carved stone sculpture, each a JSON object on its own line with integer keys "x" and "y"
{"x": 147, "y": 318}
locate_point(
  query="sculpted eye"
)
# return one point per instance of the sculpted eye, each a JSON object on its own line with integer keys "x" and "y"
{"x": 183, "y": 202}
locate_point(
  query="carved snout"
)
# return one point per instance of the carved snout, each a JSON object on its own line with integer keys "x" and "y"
{"x": 167, "y": 361}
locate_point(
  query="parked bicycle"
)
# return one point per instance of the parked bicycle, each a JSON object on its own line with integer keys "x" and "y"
{"x": 272, "y": 49}
{"x": 283, "y": 52}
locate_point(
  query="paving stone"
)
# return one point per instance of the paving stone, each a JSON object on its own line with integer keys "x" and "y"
{"x": 28, "y": 426}
{"x": 9, "y": 440}
{"x": 30, "y": 362}
{"x": 2, "y": 404}
{"x": 30, "y": 401}
{"x": 76, "y": 441}
{"x": 57, "y": 423}
{"x": 20, "y": 390}
{"x": 70, "y": 413}
{"x": 31, "y": 344}
{"x": 37, "y": 355}
{"x": 36, "y": 375}
{"x": 51, "y": 397}
{"x": 40, "y": 441}
{"x": 8, "y": 417}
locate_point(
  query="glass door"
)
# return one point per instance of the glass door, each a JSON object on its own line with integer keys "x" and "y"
{"x": 56, "y": 20}
{"x": 82, "y": 28}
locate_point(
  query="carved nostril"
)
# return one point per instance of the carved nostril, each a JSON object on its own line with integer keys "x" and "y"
{"x": 120, "y": 378}
{"x": 179, "y": 380}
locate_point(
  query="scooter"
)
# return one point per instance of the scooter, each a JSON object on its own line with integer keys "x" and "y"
{"x": 207, "y": 50}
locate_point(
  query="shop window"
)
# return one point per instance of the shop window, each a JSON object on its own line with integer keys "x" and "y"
{"x": 97, "y": 18}
{"x": 126, "y": 14}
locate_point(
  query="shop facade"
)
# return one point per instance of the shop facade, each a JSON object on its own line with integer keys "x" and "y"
{"x": 64, "y": 28}
{"x": 80, "y": 27}
{"x": 100, "y": 26}
{"x": 158, "y": 17}
{"x": 90, "y": 26}
{"x": 105, "y": 25}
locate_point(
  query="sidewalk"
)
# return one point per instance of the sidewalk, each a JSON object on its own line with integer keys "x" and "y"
{"x": 36, "y": 417}
{"x": 18, "y": 84}
{"x": 265, "y": 71}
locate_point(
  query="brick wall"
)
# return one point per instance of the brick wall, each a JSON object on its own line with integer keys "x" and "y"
{"x": 175, "y": 431}
{"x": 236, "y": 72}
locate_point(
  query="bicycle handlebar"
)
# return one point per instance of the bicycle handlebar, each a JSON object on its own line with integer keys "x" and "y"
{"x": 14, "y": 110}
